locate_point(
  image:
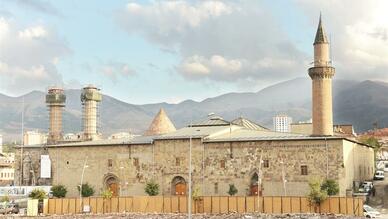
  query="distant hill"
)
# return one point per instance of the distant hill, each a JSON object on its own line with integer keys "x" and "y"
{"x": 359, "y": 103}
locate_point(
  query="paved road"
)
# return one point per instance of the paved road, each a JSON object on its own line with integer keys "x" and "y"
{"x": 380, "y": 201}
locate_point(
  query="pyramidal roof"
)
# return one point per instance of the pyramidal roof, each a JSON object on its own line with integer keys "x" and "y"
{"x": 160, "y": 125}
{"x": 320, "y": 36}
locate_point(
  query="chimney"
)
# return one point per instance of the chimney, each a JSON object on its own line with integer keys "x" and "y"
{"x": 55, "y": 100}
{"x": 90, "y": 97}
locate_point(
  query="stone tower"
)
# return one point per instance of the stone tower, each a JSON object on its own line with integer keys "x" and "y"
{"x": 55, "y": 100}
{"x": 90, "y": 97}
{"x": 321, "y": 75}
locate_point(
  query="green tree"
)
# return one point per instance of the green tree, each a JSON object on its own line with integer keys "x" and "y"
{"x": 373, "y": 142}
{"x": 232, "y": 190}
{"x": 316, "y": 195}
{"x": 152, "y": 188}
{"x": 330, "y": 186}
{"x": 59, "y": 191}
{"x": 38, "y": 194}
{"x": 87, "y": 190}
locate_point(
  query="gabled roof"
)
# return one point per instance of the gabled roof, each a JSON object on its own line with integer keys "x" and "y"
{"x": 212, "y": 121}
{"x": 248, "y": 124}
{"x": 160, "y": 125}
{"x": 320, "y": 36}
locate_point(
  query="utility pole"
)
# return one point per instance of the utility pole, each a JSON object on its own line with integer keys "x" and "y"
{"x": 190, "y": 177}
{"x": 284, "y": 178}
{"x": 21, "y": 146}
{"x": 82, "y": 179}
{"x": 259, "y": 181}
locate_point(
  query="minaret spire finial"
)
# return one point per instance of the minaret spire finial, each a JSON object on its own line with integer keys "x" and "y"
{"x": 320, "y": 36}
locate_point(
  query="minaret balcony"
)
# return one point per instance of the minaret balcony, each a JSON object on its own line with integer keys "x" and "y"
{"x": 321, "y": 72}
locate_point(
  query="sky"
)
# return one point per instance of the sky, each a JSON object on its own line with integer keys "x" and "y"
{"x": 169, "y": 51}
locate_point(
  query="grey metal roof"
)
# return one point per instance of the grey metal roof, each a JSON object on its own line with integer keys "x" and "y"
{"x": 193, "y": 132}
{"x": 248, "y": 124}
{"x": 109, "y": 142}
{"x": 213, "y": 121}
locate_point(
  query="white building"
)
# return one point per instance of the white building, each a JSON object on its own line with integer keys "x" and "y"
{"x": 119, "y": 135}
{"x": 7, "y": 169}
{"x": 34, "y": 138}
{"x": 1, "y": 143}
{"x": 282, "y": 123}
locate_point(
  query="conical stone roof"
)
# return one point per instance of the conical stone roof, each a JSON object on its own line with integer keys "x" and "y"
{"x": 320, "y": 36}
{"x": 160, "y": 125}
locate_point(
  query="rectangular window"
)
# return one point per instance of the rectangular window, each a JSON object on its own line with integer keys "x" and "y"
{"x": 266, "y": 163}
{"x": 222, "y": 163}
{"x": 303, "y": 169}
{"x": 215, "y": 188}
{"x": 110, "y": 163}
{"x": 177, "y": 161}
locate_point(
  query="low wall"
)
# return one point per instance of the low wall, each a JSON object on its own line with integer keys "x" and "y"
{"x": 206, "y": 204}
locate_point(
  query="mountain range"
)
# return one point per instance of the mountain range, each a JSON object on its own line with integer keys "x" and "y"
{"x": 358, "y": 103}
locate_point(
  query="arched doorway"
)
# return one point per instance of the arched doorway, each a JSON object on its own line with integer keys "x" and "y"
{"x": 178, "y": 186}
{"x": 254, "y": 184}
{"x": 111, "y": 183}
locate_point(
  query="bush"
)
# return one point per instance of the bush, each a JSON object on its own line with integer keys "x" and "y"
{"x": 152, "y": 188}
{"x": 59, "y": 191}
{"x": 38, "y": 194}
{"x": 87, "y": 190}
{"x": 232, "y": 190}
{"x": 330, "y": 186}
{"x": 107, "y": 193}
{"x": 316, "y": 195}
{"x": 4, "y": 198}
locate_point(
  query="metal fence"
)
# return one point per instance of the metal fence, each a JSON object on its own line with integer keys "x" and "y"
{"x": 206, "y": 204}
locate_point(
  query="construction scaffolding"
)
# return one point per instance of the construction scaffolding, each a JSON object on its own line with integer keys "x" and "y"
{"x": 55, "y": 100}
{"x": 90, "y": 98}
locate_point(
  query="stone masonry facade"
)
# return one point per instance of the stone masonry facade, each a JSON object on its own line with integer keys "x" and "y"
{"x": 215, "y": 165}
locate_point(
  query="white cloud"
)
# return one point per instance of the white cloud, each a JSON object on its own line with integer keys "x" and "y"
{"x": 117, "y": 70}
{"x": 33, "y": 32}
{"x": 28, "y": 57}
{"x": 217, "y": 40}
{"x": 359, "y": 35}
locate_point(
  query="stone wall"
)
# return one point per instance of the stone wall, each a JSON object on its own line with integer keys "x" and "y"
{"x": 215, "y": 165}
{"x": 31, "y": 167}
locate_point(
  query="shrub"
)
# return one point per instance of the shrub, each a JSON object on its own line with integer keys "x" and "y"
{"x": 232, "y": 190}
{"x": 87, "y": 190}
{"x": 107, "y": 193}
{"x": 330, "y": 186}
{"x": 152, "y": 188}
{"x": 196, "y": 193}
{"x": 38, "y": 194}
{"x": 4, "y": 198}
{"x": 59, "y": 191}
{"x": 316, "y": 195}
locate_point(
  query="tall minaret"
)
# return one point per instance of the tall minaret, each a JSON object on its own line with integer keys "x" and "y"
{"x": 321, "y": 74}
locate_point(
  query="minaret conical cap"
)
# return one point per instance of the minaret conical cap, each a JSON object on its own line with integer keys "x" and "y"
{"x": 161, "y": 124}
{"x": 320, "y": 36}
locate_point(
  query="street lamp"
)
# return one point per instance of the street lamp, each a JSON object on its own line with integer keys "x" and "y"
{"x": 82, "y": 179}
{"x": 121, "y": 179}
{"x": 284, "y": 178}
{"x": 259, "y": 180}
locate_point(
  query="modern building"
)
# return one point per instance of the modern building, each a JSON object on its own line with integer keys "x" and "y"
{"x": 282, "y": 123}
{"x": 34, "y": 138}
{"x": 7, "y": 171}
{"x": 1, "y": 144}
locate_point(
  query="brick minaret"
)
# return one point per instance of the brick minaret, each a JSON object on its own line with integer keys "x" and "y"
{"x": 321, "y": 75}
